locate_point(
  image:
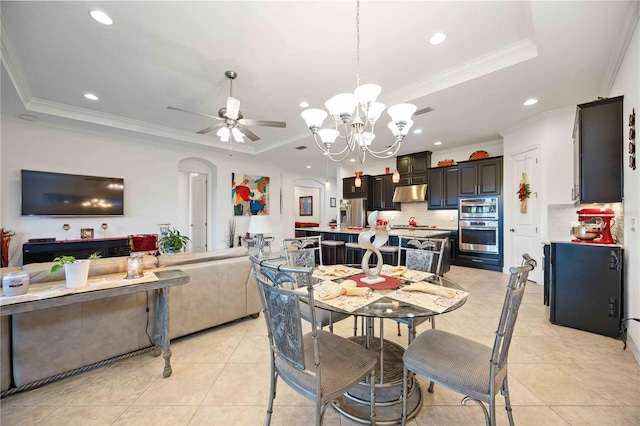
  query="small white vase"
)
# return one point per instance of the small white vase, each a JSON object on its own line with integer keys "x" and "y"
{"x": 77, "y": 273}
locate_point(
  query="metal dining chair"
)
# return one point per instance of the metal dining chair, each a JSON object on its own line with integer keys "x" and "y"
{"x": 302, "y": 252}
{"x": 420, "y": 254}
{"x": 464, "y": 365}
{"x": 318, "y": 365}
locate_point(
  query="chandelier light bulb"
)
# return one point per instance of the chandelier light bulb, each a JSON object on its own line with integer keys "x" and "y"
{"x": 375, "y": 111}
{"x": 401, "y": 112}
{"x": 314, "y": 117}
{"x": 367, "y": 93}
{"x": 328, "y": 136}
{"x": 344, "y": 104}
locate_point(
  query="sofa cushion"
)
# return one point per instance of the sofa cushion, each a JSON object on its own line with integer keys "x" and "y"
{"x": 165, "y": 260}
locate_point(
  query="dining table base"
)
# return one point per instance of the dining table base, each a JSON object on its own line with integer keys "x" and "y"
{"x": 355, "y": 404}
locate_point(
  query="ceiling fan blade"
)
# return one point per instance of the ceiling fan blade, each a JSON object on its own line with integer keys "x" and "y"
{"x": 208, "y": 129}
{"x": 233, "y": 108}
{"x": 423, "y": 110}
{"x": 247, "y": 122}
{"x": 248, "y": 133}
{"x": 193, "y": 112}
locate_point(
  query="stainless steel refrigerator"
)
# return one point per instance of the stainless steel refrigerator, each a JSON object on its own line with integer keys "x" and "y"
{"x": 353, "y": 212}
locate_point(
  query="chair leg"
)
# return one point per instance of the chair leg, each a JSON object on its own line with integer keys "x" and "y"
{"x": 272, "y": 393}
{"x": 430, "y": 390}
{"x": 399, "y": 333}
{"x": 372, "y": 401}
{"x": 404, "y": 396}
{"x": 331, "y": 322}
{"x": 507, "y": 401}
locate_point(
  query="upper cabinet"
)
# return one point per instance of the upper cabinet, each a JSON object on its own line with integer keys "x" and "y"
{"x": 442, "y": 191}
{"x": 413, "y": 168}
{"x": 382, "y": 188}
{"x": 480, "y": 177}
{"x": 597, "y": 139}
{"x": 350, "y": 190}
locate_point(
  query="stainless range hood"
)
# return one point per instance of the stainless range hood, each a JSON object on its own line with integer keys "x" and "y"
{"x": 411, "y": 193}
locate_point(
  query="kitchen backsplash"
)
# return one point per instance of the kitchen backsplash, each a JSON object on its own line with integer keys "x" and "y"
{"x": 447, "y": 219}
{"x": 560, "y": 217}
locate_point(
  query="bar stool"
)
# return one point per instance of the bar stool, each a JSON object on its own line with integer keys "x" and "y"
{"x": 333, "y": 251}
{"x": 354, "y": 253}
{"x": 389, "y": 252}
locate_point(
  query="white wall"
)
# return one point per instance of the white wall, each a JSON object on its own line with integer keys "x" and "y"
{"x": 627, "y": 83}
{"x": 316, "y": 210}
{"x": 151, "y": 173}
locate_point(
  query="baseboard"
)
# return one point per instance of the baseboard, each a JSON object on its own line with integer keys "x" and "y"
{"x": 635, "y": 349}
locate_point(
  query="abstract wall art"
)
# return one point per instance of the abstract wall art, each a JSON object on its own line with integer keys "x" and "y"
{"x": 250, "y": 194}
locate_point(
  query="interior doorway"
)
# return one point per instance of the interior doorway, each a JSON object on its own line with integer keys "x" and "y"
{"x": 198, "y": 212}
{"x": 524, "y": 223}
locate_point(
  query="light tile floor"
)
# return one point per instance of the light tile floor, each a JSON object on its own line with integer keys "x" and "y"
{"x": 557, "y": 376}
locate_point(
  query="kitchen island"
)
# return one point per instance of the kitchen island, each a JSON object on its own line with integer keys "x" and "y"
{"x": 350, "y": 235}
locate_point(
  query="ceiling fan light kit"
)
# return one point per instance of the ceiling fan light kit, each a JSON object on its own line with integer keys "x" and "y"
{"x": 357, "y": 133}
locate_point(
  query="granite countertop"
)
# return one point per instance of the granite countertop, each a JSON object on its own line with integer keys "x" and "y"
{"x": 422, "y": 233}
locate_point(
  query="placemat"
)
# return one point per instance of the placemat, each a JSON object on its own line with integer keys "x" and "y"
{"x": 428, "y": 301}
{"x": 390, "y": 283}
{"x": 346, "y": 303}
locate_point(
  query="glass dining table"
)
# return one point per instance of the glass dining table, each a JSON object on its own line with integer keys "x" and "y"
{"x": 389, "y": 299}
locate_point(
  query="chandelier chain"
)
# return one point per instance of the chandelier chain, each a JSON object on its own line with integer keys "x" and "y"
{"x": 358, "y": 43}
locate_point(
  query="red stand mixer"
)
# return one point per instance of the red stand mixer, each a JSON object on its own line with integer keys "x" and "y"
{"x": 595, "y": 226}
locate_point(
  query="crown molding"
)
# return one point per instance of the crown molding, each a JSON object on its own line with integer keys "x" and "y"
{"x": 499, "y": 59}
{"x": 12, "y": 63}
{"x": 618, "y": 51}
{"x": 535, "y": 119}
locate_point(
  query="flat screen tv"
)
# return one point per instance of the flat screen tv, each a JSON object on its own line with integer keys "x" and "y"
{"x": 61, "y": 194}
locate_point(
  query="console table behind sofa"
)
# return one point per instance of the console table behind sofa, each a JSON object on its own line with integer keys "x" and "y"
{"x": 45, "y": 343}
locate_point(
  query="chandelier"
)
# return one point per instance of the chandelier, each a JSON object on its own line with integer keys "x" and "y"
{"x": 358, "y": 112}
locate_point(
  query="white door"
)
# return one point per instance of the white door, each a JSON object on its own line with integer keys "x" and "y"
{"x": 525, "y": 225}
{"x": 198, "y": 213}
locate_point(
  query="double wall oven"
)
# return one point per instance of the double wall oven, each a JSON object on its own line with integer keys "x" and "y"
{"x": 479, "y": 225}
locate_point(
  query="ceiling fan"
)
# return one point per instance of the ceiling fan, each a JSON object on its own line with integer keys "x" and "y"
{"x": 231, "y": 119}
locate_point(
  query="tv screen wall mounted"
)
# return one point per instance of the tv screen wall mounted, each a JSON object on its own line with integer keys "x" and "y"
{"x": 61, "y": 194}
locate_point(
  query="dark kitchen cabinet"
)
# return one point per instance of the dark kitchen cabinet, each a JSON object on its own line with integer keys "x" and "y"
{"x": 413, "y": 168}
{"x": 350, "y": 190}
{"x": 585, "y": 290}
{"x": 382, "y": 188}
{"x": 598, "y": 152}
{"x": 480, "y": 177}
{"x": 442, "y": 191}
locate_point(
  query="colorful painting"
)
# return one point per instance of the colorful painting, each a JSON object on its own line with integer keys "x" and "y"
{"x": 250, "y": 194}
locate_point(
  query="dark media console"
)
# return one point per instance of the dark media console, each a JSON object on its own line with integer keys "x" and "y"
{"x": 33, "y": 252}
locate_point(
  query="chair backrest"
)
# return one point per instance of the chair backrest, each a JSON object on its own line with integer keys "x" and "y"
{"x": 281, "y": 308}
{"x": 422, "y": 254}
{"x": 512, "y": 300}
{"x": 303, "y": 251}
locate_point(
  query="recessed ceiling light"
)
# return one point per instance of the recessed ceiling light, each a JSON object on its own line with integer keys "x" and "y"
{"x": 417, "y": 131}
{"x": 437, "y": 143}
{"x": 437, "y": 38}
{"x": 304, "y": 104}
{"x": 308, "y": 167}
{"x": 530, "y": 102}
{"x": 91, "y": 96}
{"x": 353, "y": 160}
{"x": 389, "y": 152}
{"x": 101, "y": 17}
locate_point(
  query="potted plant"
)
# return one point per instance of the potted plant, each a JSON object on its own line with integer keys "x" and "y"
{"x": 173, "y": 242}
{"x": 76, "y": 271}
